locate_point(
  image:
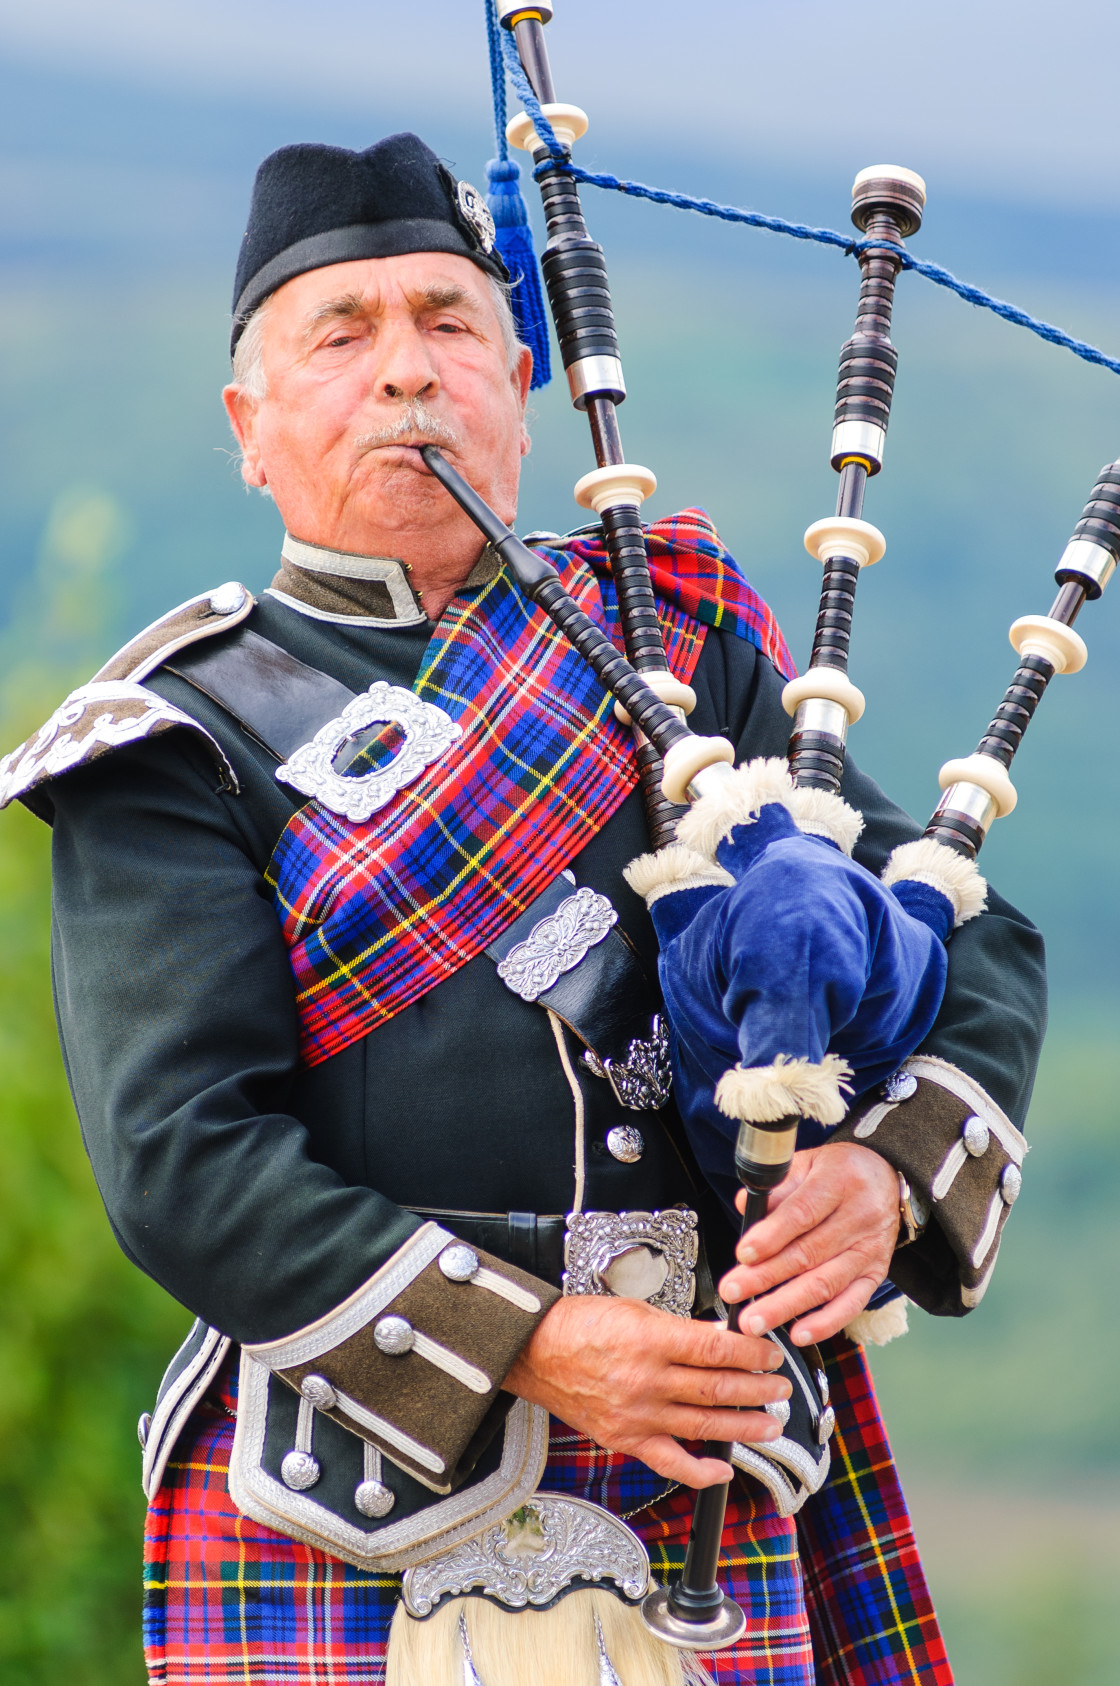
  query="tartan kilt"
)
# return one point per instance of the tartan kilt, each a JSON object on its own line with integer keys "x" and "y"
{"x": 835, "y": 1596}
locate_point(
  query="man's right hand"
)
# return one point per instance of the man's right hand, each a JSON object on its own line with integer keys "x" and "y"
{"x": 638, "y": 1380}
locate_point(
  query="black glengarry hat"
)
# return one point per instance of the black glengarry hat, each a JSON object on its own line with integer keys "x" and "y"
{"x": 315, "y": 205}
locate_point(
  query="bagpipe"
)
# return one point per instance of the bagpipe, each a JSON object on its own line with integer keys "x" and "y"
{"x": 751, "y": 1065}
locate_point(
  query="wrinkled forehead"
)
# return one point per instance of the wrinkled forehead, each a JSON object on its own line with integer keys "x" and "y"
{"x": 416, "y": 282}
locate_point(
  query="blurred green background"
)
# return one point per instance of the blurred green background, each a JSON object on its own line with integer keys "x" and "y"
{"x": 122, "y": 192}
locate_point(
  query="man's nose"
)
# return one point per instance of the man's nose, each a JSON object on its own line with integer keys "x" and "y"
{"x": 405, "y": 367}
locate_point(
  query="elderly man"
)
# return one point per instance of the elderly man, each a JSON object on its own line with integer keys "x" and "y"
{"x": 325, "y": 1116}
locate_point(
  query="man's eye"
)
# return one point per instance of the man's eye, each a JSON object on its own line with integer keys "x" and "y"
{"x": 342, "y": 339}
{"x": 449, "y": 328}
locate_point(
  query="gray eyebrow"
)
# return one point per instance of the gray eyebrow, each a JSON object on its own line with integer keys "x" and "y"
{"x": 438, "y": 296}
{"x": 347, "y": 304}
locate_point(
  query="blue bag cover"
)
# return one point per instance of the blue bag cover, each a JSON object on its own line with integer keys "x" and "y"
{"x": 806, "y": 953}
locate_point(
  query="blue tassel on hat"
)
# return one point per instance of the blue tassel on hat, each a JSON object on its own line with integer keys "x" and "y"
{"x": 514, "y": 240}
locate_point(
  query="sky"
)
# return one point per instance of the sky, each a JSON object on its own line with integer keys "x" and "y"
{"x": 982, "y": 96}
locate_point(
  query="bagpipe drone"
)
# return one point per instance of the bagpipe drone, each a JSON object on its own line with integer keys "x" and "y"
{"x": 757, "y": 1062}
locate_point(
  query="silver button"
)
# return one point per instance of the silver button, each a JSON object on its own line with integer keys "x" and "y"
{"x": 626, "y": 1143}
{"x": 779, "y": 1410}
{"x": 373, "y": 1498}
{"x": 459, "y": 1262}
{"x": 394, "y": 1335}
{"x": 299, "y": 1470}
{"x": 826, "y": 1425}
{"x": 143, "y": 1428}
{"x": 822, "y": 1386}
{"x": 899, "y": 1087}
{"x": 1010, "y": 1184}
{"x": 976, "y": 1136}
{"x": 318, "y": 1391}
{"x": 228, "y": 598}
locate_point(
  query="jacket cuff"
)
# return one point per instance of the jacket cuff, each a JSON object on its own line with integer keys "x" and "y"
{"x": 414, "y": 1360}
{"x": 962, "y": 1157}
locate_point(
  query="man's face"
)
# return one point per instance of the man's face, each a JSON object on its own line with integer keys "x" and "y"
{"x": 364, "y": 362}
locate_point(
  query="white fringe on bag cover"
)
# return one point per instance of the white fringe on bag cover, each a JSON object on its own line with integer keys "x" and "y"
{"x": 957, "y": 878}
{"x": 764, "y": 1094}
{"x": 673, "y": 868}
{"x": 563, "y": 1646}
{"x": 742, "y": 797}
{"x": 876, "y": 1328}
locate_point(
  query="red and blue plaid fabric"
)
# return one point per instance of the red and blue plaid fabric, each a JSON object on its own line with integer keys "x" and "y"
{"x": 835, "y": 1596}
{"x": 377, "y": 914}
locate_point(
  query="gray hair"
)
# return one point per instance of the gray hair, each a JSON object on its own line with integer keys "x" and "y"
{"x": 248, "y": 356}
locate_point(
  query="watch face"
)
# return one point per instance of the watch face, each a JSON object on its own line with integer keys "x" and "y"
{"x": 476, "y": 214}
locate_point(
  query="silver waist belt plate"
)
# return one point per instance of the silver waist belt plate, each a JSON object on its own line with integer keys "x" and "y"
{"x": 647, "y": 1256}
{"x": 552, "y": 1545}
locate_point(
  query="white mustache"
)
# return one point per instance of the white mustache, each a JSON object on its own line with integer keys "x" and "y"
{"x": 415, "y": 425}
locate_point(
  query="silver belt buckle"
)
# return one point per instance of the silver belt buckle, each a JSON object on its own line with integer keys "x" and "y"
{"x": 647, "y": 1256}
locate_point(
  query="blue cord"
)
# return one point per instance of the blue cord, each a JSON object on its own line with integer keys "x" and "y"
{"x": 494, "y": 33}
{"x": 779, "y": 225}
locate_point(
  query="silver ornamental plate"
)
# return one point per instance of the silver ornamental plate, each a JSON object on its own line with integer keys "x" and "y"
{"x": 644, "y": 1080}
{"x": 476, "y": 212}
{"x": 556, "y": 943}
{"x": 532, "y": 1557}
{"x": 647, "y": 1256}
{"x": 428, "y": 734}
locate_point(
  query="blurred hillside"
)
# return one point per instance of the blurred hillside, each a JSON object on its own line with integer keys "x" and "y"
{"x": 120, "y": 214}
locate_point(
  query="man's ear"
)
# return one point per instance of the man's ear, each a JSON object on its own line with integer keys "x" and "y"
{"x": 242, "y": 412}
{"x": 521, "y": 377}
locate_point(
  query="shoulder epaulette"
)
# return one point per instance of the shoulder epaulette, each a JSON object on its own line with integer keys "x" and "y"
{"x": 116, "y": 708}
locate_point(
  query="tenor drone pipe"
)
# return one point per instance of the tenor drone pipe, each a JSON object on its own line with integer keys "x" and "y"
{"x": 887, "y": 205}
{"x": 575, "y": 276}
{"x": 977, "y": 790}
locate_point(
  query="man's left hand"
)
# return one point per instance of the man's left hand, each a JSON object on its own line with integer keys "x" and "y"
{"x": 824, "y": 1246}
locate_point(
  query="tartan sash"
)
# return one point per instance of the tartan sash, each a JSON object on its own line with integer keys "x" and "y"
{"x": 376, "y": 913}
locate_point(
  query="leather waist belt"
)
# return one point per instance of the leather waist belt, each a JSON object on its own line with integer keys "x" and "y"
{"x": 529, "y": 1240}
{"x": 658, "y": 1257}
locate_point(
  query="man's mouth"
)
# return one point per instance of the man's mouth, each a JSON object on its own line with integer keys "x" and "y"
{"x": 413, "y": 427}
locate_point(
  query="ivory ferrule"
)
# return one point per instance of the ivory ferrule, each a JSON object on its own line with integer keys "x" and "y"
{"x": 512, "y": 11}
{"x": 825, "y": 685}
{"x": 596, "y": 377}
{"x": 858, "y": 439}
{"x": 890, "y": 172}
{"x": 625, "y": 483}
{"x": 985, "y": 773}
{"x": 1092, "y": 562}
{"x": 1038, "y": 635}
{"x": 669, "y": 690}
{"x": 693, "y": 765}
{"x": 568, "y": 124}
{"x": 843, "y": 535}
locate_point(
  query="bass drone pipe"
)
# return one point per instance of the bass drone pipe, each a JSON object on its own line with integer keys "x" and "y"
{"x": 977, "y": 788}
{"x": 887, "y": 205}
{"x": 575, "y": 275}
